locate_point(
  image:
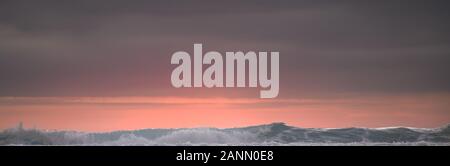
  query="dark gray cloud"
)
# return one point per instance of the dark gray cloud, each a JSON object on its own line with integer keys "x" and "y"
{"x": 123, "y": 48}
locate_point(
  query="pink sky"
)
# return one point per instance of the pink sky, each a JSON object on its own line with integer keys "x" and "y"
{"x": 126, "y": 113}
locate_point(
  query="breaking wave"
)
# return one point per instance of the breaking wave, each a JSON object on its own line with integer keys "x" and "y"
{"x": 270, "y": 134}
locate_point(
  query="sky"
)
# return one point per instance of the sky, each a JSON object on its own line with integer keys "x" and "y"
{"x": 105, "y": 65}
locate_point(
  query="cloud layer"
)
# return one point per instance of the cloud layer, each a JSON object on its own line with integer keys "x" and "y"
{"x": 113, "y": 48}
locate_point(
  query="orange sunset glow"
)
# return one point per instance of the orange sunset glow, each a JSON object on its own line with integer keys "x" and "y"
{"x": 127, "y": 113}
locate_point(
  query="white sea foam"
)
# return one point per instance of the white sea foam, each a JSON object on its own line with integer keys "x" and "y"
{"x": 277, "y": 134}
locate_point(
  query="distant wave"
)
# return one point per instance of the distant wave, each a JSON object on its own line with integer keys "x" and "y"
{"x": 270, "y": 134}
